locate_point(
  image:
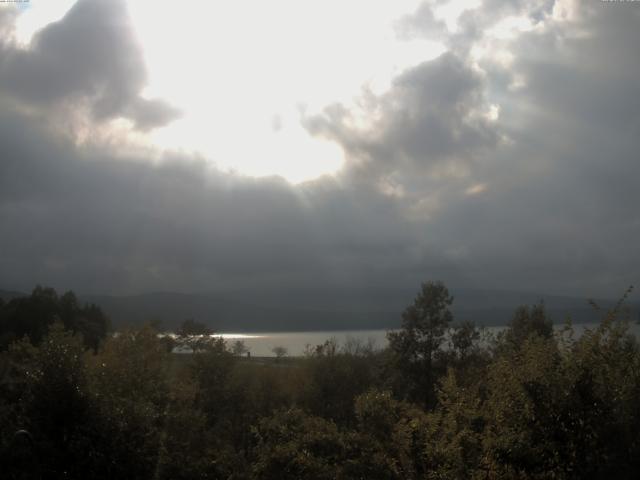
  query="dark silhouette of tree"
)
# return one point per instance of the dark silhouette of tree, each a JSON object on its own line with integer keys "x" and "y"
{"x": 193, "y": 327}
{"x": 335, "y": 377}
{"x": 463, "y": 339}
{"x": 57, "y": 407}
{"x": 292, "y": 445}
{"x": 32, "y": 316}
{"x": 416, "y": 345}
{"x": 195, "y": 336}
{"x": 527, "y": 405}
{"x": 280, "y": 352}
{"x": 239, "y": 348}
{"x": 529, "y": 321}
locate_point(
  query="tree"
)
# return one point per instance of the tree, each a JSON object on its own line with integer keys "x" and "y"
{"x": 463, "y": 339}
{"x": 239, "y": 348}
{"x": 528, "y": 321}
{"x": 32, "y": 315}
{"x": 279, "y": 351}
{"x": 415, "y": 346}
{"x": 58, "y": 408}
{"x": 455, "y": 430}
{"x": 292, "y": 444}
{"x": 89, "y": 320}
{"x": 211, "y": 370}
{"x": 195, "y": 336}
{"x": 192, "y": 327}
{"x": 129, "y": 381}
{"x": 335, "y": 376}
{"x": 390, "y": 438}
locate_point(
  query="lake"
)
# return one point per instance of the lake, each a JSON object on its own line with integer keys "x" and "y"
{"x": 260, "y": 344}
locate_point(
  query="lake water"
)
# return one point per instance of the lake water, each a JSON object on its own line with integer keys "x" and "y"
{"x": 261, "y": 344}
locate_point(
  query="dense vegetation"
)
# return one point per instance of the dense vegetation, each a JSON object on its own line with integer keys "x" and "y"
{"x": 31, "y": 316}
{"x": 441, "y": 402}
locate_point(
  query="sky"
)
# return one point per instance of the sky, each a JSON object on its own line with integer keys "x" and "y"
{"x": 250, "y": 145}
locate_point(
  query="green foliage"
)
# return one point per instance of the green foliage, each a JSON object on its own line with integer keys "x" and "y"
{"x": 565, "y": 409}
{"x": 132, "y": 366}
{"x": 211, "y": 370}
{"x": 55, "y": 406}
{"x": 530, "y": 405}
{"x": 15, "y": 366}
{"x": 522, "y": 390}
{"x": 31, "y": 316}
{"x": 187, "y": 446}
{"x": 293, "y": 445}
{"x": 416, "y": 346}
{"x": 128, "y": 379}
{"x": 385, "y": 443}
{"x": 455, "y": 431}
{"x": 464, "y": 338}
{"x": 335, "y": 377}
{"x": 528, "y": 321}
{"x": 390, "y": 438}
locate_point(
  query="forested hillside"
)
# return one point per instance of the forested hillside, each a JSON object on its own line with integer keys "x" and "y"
{"x": 321, "y": 309}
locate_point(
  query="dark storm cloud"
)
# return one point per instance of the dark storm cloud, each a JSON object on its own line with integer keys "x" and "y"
{"x": 573, "y": 164}
{"x": 90, "y": 56}
{"x": 87, "y": 218}
{"x": 543, "y": 198}
{"x": 94, "y": 221}
{"x": 555, "y": 206}
{"x": 431, "y": 115}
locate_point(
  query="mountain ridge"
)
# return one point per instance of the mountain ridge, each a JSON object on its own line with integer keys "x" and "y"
{"x": 323, "y": 309}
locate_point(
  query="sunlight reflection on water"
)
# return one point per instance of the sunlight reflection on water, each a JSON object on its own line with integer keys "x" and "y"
{"x": 261, "y": 344}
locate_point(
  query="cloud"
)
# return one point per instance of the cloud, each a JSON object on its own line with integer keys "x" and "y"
{"x": 420, "y": 140}
{"x": 541, "y": 197}
{"x": 90, "y": 57}
{"x": 86, "y": 218}
{"x": 7, "y": 20}
{"x": 560, "y": 203}
{"x": 421, "y": 24}
{"x": 557, "y": 208}
{"x": 431, "y": 115}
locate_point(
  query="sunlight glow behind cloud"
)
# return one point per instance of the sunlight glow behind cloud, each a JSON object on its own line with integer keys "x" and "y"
{"x": 119, "y": 127}
{"x": 37, "y": 14}
{"x": 244, "y": 72}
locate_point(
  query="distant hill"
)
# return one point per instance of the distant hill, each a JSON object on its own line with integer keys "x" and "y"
{"x": 7, "y": 295}
{"x": 327, "y": 309}
{"x": 226, "y": 315}
{"x": 323, "y": 309}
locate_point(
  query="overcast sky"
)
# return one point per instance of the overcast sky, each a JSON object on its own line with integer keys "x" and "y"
{"x": 252, "y": 144}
